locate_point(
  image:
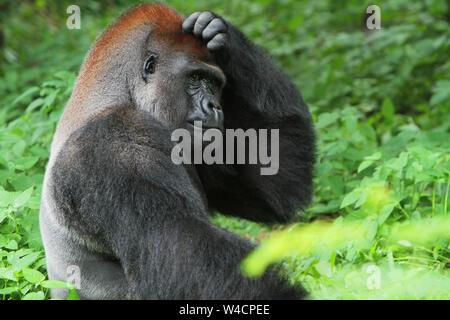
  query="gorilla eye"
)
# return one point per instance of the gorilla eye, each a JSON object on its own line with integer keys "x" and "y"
{"x": 149, "y": 65}
{"x": 196, "y": 76}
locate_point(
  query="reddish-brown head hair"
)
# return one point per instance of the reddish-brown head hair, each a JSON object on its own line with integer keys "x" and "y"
{"x": 166, "y": 24}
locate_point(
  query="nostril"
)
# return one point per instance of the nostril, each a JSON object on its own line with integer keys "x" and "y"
{"x": 209, "y": 105}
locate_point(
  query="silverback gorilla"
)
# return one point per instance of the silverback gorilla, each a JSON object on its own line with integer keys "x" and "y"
{"x": 114, "y": 204}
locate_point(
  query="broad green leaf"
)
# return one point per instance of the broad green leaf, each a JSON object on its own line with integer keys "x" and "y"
{"x": 7, "y": 273}
{"x": 364, "y": 165}
{"x": 326, "y": 119}
{"x": 32, "y": 275}
{"x": 385, "y": 212}
{"x": 35, "y": 104}
{"x": 388, "y": 110}
{"x": 2, "y": 217}
{"x": 9, "y": 290}
{"x": 351, "y": 198}
{"x": 54, "y": 284}
{"x": 34, "y": 296}
{"x": 441, "y": 93}
{"x": 22, "y": 198}
{"x": 29, "y": 92}
{"x": 19, "y": 148}
{"x": 6, "y": 198}
{"x": 73, "y": 294}
{"x": 25, "y": 260}
{"x": 399, "y": 163}
{"x": 51, "y": 98}
{"x": 26, "y": 163}
{"x": 12, "y": 245}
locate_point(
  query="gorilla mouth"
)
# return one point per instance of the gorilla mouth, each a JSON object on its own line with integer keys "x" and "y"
{"x": 203, "y": 126}
{"x": 213, "y": 120}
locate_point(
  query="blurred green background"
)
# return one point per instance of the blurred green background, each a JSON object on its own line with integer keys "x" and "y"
{"x": 379, "y": 225}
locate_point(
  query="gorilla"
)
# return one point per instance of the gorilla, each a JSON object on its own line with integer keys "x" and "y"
{"x": 134, "y": 224}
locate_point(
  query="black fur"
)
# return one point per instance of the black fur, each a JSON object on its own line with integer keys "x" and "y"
{"x": 117, "y": 188}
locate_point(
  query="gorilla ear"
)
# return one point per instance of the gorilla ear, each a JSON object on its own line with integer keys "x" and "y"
{"x": 149, "y": 66}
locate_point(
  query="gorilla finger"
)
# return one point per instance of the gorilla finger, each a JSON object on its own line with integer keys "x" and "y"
{"x": 216, "y": 26}
{"x": 218, "y": 42}
{"x": 188, "y": 24}
{"x": 202, "y": 21}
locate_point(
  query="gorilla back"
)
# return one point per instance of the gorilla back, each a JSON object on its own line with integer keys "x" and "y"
{"x": 114, "y": 204}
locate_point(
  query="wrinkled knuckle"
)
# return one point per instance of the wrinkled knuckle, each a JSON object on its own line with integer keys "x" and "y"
{"x": 220, "y": 24}
{"x": 193, "y": 16}
{"x": 217, "y": 42}
{"x": 206, "y": 15}
{"x": 215, "y": 23}
{"x": 221, "y": 37}
{"x": 207, "y": 33}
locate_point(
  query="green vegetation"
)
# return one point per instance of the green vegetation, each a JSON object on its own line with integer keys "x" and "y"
{"x": 379, "y": 225}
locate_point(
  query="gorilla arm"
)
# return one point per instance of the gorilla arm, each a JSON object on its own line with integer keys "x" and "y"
{"x": 257, "y": 95}
{"x": 117, "y": 189}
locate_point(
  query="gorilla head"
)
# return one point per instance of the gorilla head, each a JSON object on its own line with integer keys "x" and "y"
{"x": 144, "y": 60}
{"x": 177, "y": 79}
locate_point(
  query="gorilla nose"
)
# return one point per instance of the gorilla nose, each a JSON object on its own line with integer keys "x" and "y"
{"x": 211, "y": 114}
{"x": 209, "y": 105}
{"x": 213, "y": 118}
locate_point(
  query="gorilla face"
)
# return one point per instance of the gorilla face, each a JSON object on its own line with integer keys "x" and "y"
{"x": 204, "y": 85}
{"x": 180, "y": 89}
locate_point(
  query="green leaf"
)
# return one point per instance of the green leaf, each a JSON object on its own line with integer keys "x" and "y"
{"x": 73, "y": 294}
{"x": 385, "y": 212}
{"x": 25, "y": 289}
{"x": 399, "y": 163}
{"x": 2, "y": 217}
{"x": 7, "y": 273}
{"x": 388, "y": 110}
{"x": 351, "y": 198}
{"x": 54, "y": 284}
{"x": 441, "y": 93}
{"x": 436, "y": 251}
{"x": 9, "y": 290}
{"x": 23, "y": 198}
{"x": 34, "y": 296}
{"x": 6, "y": 198}
{"x": 50, "y": 98}
{"x": 25, "y": 260}
{"x": 12, "y": 245}
{"x": 26, "y": 163}
{"x": 35, "y": 104}
{"x": 19, "y": 148}
{"x": 21, "y": 181}
{"x": 28, "y": 92}
{"x": 32, "y": 275}
{"x": 326, "y": 119}
{"x": 364, "y": 165}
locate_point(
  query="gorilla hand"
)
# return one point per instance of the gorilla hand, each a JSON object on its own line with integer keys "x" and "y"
{"x": 209, "y": 27}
